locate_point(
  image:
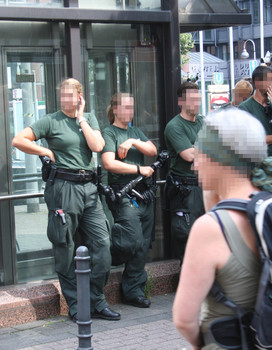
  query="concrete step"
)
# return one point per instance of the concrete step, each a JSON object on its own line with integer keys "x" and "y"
{"x": 33, "y": 301}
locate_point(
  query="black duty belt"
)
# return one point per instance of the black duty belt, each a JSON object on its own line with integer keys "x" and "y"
{"x": 75, "y": 175}
{"x": 186, "y": 180}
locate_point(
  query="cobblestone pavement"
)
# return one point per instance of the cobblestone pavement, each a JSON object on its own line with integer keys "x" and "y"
{"x": 138, "y": 329}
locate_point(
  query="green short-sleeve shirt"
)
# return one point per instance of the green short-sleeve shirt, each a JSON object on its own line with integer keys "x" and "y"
{"x": 114, "y": 137}
{"x": 257, "y": 110}
{"x": 180, "y": 134}
{"x": 66, "y": 139}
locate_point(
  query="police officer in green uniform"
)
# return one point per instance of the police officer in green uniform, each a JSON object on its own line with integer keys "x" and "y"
{"x": 259, "y": 105}
{"x": 123, "y": 158}
{"x": 71, "y": 195}
{"x": 183, "y": 196}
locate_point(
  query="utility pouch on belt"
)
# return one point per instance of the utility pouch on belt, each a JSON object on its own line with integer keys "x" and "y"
{"x": 176, "y": 186}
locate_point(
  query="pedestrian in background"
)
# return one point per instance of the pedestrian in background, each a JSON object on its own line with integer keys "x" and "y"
{"x": 259, "y": 105}
{"x": 71, "y": 195}
{"x": 243, "y": 89}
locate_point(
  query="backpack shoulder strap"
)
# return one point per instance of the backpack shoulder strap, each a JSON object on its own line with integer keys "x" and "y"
{"x": 221, "y": 297}
{"x": 216, "y": 289}
{"x": 234, "y": 204}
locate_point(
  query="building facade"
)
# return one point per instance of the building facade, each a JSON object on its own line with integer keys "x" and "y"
{"x": 216, "y": 41}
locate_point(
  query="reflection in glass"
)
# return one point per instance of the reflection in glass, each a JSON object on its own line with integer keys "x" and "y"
{"x": 30, "y": 79}
{"x": 31, "y": 229}
{"x": 26, "y": 105}
{"x": 121, "y": 4}
{"x": 39, "y": 3}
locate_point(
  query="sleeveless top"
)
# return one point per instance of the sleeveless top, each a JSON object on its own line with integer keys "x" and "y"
{"x": 238, "y": 277}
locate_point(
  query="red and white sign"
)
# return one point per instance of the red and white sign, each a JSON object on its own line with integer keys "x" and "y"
{"x": 217, "y": 100}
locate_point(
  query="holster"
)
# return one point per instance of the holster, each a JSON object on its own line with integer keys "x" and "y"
{"x": 52, "y": 175}
{"x": 46, "y": 167}
{"x": 48, "y": 170}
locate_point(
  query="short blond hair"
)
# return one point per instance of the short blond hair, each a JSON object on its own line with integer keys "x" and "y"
{"x": 72, "y": 82}
{"x": 244, "y": 85}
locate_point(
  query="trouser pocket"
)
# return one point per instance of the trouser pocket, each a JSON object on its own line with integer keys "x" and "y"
{"x": 58, "y": 227}
{"x": 125, "y": 241}
{"x": 180, "y": 228}
{"x": 60, "y": 234}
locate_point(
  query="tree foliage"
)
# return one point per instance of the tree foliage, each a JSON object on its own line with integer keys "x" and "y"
{"x": 186, "y": 45}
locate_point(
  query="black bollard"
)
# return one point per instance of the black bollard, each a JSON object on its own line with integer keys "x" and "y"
{"x": 84, "y": 322}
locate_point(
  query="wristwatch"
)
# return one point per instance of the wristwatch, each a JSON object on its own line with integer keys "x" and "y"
{"x": 81, "y": 119}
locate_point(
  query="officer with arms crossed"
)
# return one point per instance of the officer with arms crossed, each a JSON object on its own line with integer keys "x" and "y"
{"x": 123, "y": 157}
{"x": 71, "y": 195}
{"x": 182, "y": 193}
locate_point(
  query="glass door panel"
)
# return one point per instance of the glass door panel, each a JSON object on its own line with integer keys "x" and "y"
{"x": 109, "y": 73}
{"x": 127, "y": 66}
{"x": 30, "y": 78}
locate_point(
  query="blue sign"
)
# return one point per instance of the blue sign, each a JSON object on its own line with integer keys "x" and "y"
{"x": 218, "y": 78}
{"x": 252, "y": 65}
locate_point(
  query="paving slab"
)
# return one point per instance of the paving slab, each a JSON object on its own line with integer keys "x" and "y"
{"x": 138, "y": 329}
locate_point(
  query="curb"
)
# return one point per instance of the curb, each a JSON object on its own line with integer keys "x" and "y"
{"x": 39, "y": 300}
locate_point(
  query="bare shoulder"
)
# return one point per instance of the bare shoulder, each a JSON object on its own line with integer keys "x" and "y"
{"x": 207, "y": 239}
{"x": 205, "y": 225}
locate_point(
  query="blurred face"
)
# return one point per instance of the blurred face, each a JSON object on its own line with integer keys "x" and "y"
{"x": 241, "y": 95}
{"x": 214, "y": 175}
{"x": 263, "y": 85}
{"x": 124, "y": 110}
{"x": 190, "y": 102}
{"x": 206, "y": 170}
{"x": 69, "y": 98}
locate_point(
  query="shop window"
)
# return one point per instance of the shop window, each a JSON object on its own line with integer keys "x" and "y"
{"x": 267, "y": 11}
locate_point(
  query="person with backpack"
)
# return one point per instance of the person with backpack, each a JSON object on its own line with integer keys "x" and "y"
{"x": 230, "y": 153}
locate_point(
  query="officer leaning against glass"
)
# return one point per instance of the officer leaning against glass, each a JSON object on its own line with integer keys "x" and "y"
{"x": 123, "y": 158}
{"x": 71, "y": 139}
{"x": 183, "y": 196}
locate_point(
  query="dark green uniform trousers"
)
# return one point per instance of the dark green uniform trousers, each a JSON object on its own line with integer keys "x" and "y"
{"x": 184, "y": 207}
{"x": 83, "y": 214}
{"x": 131, "y": 239}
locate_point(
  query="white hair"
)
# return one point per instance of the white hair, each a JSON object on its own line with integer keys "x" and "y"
{"x": 235, "y": 131}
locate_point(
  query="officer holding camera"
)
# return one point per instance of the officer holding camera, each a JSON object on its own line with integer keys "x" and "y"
{"x": 259, "y": 105}
{"x": 123, "y": 158}
{"x": 71, "y": 195}
{"x": 183, "y": 196}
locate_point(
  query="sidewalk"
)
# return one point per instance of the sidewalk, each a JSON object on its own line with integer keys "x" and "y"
{"x": 138, "y": 329}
